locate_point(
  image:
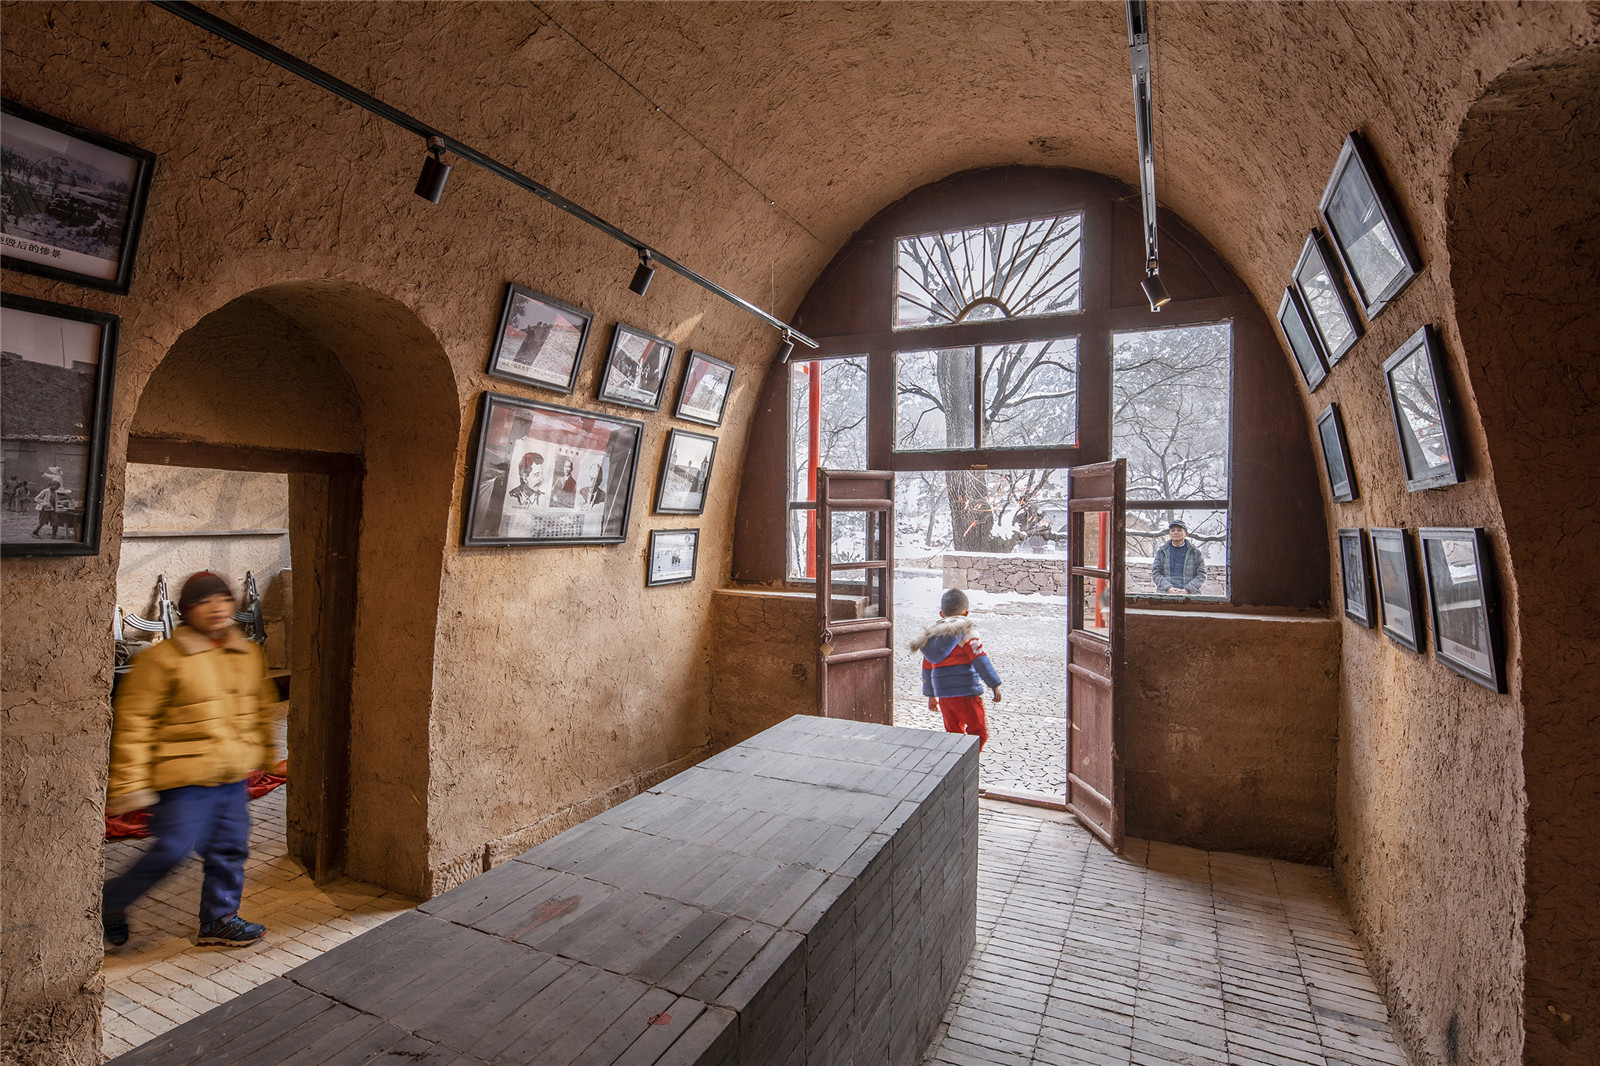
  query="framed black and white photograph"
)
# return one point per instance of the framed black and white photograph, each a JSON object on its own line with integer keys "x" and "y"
{"x": 58, "y": 364}
{"x": 704, "y": 396}
{"x": 1424, "y": 415}
{"x": 1316, "y": 280}
{"x": 1366, "y": 230}
{"x": 1336, "y": 454}
{"x": 71, "y": 200}
{"x": 540, "y": 340}
{"x": 1463, "y": 597}
{"x": 1355, "y": 564}
{"x": 636, "y": 369}
{"x": 1395, "y": 563}
{"x": 672, "y": 556}
{"x": 1304, "y": 344}
{"x": 685, "y": 473}
{"x": 550, "y": 475}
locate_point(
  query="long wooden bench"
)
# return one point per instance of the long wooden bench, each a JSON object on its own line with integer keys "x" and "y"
{"x": 808, "y": 896}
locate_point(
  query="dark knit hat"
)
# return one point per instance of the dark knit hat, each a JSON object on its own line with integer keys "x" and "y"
{"x": 201, "y": 586}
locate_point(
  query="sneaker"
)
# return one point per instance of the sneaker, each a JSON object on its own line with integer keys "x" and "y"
{"x": 115, "y": 925}
{"x": 231, "y": 932}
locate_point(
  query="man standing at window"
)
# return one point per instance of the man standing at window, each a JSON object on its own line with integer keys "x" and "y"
{"x": 1178, "y": 567}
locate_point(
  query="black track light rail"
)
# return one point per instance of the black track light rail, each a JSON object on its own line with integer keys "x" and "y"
{"x": 319, "y": 77}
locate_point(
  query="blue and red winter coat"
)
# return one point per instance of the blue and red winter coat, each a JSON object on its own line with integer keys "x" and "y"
{"x": 953, "y": 659}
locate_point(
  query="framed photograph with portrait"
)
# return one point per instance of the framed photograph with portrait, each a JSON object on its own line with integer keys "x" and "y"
{"x": 1395, "y": 563}
{"x": 540, "y": 340}
{"x": 71, "y": 200}
{"x": 1459, "y": 566}
{"x": 636, "y": 369}
{"x": 672, "y": 556}
{"x": 1336, "y": 454}
{"x": 1424, "y": 415}
{"x": 685, "y": 473}
{"x": 1366, "y": 229}
{"x": 58, "y": 364}
{"x": 1304, "y": 344}
{"x": 1329, "y": 312}
{"x": 704, "y": 396}
{"x": 550, "y": 475}
{"x": 1355, "y": 564}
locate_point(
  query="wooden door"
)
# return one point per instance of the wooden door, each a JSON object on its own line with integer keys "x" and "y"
{"x": 855, "y": 614}
{"x": 1095, "y": 496}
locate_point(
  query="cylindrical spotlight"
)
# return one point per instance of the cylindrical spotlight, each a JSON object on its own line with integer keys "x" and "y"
{"x": 435, "y": 172}
{"x": 642, "y": 275}
{"x": 785, "y": 347}
{"x": 1155, "y": 291}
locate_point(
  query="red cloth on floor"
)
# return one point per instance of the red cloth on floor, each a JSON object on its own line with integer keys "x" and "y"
{"x": 137, "y": 823}
{"x": 965, "y": 714}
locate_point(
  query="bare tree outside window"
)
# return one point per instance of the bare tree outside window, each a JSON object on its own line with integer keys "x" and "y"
{"x": 841, "y": 440}
{"x": 1006, "y": 270}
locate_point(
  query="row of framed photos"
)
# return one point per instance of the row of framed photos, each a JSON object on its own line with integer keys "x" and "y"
{"x": 1457, "y": 569}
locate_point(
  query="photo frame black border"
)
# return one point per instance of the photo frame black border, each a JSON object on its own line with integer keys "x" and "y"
{"x": 1331, "y": 414}
{"x": 480, "y": 447}
{"x": 88, "y": 542}
{"x": 1409, "y": 552}
{"x": 683, "y": 388}
{"x": 666, "y": 457}
{"x": 514, "y": 290}
{"x": 611, "y": 356}
{"x": 137, "y": 202}
{"x": 1369, "y": 617}
{"x": 1358, "y": 155}
{"x": 1483, "y": 560}
{"x": 1428, "y": 339}
{"x": 1291, "y": 305}
{"x": 650, "y": 580}
{"x": 1316, "y": 246}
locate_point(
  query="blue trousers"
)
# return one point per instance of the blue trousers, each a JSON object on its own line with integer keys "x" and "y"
{"x": 210, "y": 820}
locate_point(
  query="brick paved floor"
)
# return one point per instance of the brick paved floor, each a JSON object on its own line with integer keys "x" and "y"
{"x": 1165, "y": 956}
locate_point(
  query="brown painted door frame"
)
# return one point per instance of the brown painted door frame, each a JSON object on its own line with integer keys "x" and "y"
{"x": 1095, "y": 499}
{"x": 336, "y": 479}
{"x": 855, "y": 601}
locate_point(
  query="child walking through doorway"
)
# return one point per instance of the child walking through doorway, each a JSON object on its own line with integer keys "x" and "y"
{"x": 955, "y": 668}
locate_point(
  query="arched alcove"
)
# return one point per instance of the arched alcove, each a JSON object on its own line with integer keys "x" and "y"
{"x": 1524, "y": 242}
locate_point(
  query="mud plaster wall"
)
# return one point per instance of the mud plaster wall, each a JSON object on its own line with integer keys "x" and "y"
{"x": 765, "y": 668}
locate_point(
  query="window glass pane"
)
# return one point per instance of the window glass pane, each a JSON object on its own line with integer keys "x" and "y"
{"x": 1199, "y": 576}
{"x": 1007, "y": 270}
{"x": 934, "y": 399}
{"x": 1169, "y": 411}
{"x": 802, "y": 544}
{"x": 1030, "y": 394}
{"x": 856, "y": 594}
{"x": 858, "y": 537}
{"x": 1092, "y": 604}
{"x": 841, "y": 404}
{"x": 1096, "y": 540}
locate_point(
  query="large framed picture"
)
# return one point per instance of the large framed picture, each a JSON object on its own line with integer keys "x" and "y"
{"x": 1336, "y": 454}
{"x": 706, "y": 383}
{"x": 1424, "y": 416}
{"x": 1355, "y": 564}
{"x": 1323, "y": 297}
{"x": 1366, "y": 229}
{"x": 685, "y": 473}
{"x": 1396, "y": 566}
{"x": 1304, "y": 343}
{"x": 1464, "y": 600}
{"x": 540, "y": 340}
{"x": 71, "y": 200}
{"x": 636, "y": 369}
{"x": 672, "y": 556}
{"x": 550, "y": 475}
{"x": 58, "y": 364}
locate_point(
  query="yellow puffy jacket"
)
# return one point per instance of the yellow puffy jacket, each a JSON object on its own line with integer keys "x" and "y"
{"x": 191, "y": 712}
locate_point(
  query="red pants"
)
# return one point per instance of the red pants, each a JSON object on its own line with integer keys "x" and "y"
{"x": 964, "y": 714}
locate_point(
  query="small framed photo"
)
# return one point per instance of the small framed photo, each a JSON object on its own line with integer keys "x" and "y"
{"x": 1336, "y": 454}
{"x": 636, "y": 369}
{"x": 704, "y": 395}
{"x": 1329, "y": 310}
{"x": 1355, "y": 562}
{"x": 540, "y": 340}
{"x": 1304, "y": 343}
{"x": 58, "y": 365}
{"x": 672, "y": 556}
{"x": 1459, "y": 567}
{"x": 73, "y": 200}
{"x": 1424, "y": 416}
{"x": 550, "y": 475}
{"x": 1366, "y": 229}
{"x": 1395, "y": 563}
{"x": 685, "y": 473}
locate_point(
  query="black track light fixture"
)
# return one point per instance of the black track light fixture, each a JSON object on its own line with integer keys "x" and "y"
{"x": 785, "y": 347}
{"x": 435, "y": 172}
{"x": 643, "y": 273}
{"x": 1154, "y": 290}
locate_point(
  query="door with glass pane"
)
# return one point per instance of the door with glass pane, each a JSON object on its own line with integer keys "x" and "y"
{"x": 855, "y": 565}
{"x": 1095, "y": 498}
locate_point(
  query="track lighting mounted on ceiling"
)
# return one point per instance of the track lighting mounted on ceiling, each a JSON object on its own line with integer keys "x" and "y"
{"x": 785, "y": 347}
{"x": 1139, "y": 54}
{"x": 435, "y": 172}
{"x": 641, "y": 276}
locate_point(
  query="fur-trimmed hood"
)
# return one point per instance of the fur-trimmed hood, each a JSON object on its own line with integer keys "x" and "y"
{"x": 944, "y": 636}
